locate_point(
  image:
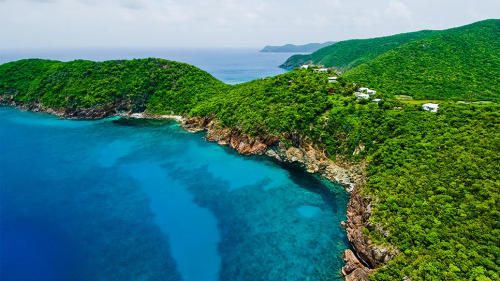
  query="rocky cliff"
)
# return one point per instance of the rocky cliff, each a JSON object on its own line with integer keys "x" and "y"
{"x": 96, "y": 112}
{"x": 311, "y": 158}
{"x": 367, "y": 256}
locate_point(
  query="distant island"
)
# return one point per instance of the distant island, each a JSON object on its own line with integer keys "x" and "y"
{"x": 291, "y": 48}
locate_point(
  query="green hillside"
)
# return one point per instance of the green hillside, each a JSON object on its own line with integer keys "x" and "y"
{"x": 433, "y": 176}
{"x": 348, "y": 54}
{"x": 127, "y": 84}
{"x": 459, "y": 63}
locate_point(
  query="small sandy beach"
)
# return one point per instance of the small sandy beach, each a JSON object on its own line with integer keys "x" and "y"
{"x": 152, "y": 116}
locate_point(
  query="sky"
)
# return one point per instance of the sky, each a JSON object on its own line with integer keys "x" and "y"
{"x": 223, "y": 23}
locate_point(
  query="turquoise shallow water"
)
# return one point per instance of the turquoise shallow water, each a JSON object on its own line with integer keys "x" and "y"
{"x": 122, "y": 199}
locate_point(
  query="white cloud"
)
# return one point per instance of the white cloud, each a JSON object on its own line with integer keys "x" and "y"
{"x": 398, "y": 9}
{"x": 334, "y": 3}
{"x": 234, "y": 23}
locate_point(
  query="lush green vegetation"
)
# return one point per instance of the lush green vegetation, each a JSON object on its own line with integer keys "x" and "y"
{"x": 291, "y": 48}
{"x": 348, "y": 54}
{"x": 434, "y": 176}
{"x": 129, "y": 84}
{"x": 460, "y": 63}
{"x": 437, "y": 184}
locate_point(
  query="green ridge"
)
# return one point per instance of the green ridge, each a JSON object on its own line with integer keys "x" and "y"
{"x": 130, "y": 83}
{"x": 459, "y": 63}
{"x": 348, "y": 54}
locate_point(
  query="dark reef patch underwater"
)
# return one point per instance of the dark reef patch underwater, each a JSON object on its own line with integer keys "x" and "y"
{"x": 121, "y": 199}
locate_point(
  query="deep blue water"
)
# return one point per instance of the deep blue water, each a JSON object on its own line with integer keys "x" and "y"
{"x": 120, "y": 199}
{"x": 228, "y": 65}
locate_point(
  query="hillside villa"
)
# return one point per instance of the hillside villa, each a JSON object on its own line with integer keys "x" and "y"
{"x": 362, "y": 95}
{"x": 431, "y": 107}
{"x": 367, "y": 91}
{"x": 320, "y": 69}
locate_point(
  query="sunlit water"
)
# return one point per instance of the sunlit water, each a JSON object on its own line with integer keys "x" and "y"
{"x": 122, "y": 199}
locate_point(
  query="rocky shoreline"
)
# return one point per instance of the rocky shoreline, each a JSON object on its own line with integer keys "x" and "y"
{"x": 364, "y": 257}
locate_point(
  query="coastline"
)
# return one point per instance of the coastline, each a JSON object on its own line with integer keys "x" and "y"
{"x": 360, "y": 261}
{"x": 365, "y": 256}
{"x": 144, "y": 115}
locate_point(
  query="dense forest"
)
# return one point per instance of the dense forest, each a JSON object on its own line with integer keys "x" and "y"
{"x": 433, "y": 176}
{"x": 460, "y": 63}
{"x": 345, "y": 55}
{"x": 127, "y": 84}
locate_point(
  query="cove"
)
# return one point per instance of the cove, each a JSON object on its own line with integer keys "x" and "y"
{"x": 128, "y": 199}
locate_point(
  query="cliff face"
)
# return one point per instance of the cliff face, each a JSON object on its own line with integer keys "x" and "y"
{"x": 367, "y": 256}
{"x": 312, "y": 159}
{"x": 371, "y": 254}
{"x": 96, "y": 112}
{"x": 243, "y": 143}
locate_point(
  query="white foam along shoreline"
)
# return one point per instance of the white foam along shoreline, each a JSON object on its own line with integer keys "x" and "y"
{"x": 152, "y": 116}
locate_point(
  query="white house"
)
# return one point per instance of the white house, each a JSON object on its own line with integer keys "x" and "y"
{"x": 376, "y": 100}
{"x": 432, "y": 107}
{"x": 305, "y": 66}
{"x": 362, "y": 95}
{"x": 367, "y": 90}
{"x": 321, "y": 70}
{"x": 332, "y": 79}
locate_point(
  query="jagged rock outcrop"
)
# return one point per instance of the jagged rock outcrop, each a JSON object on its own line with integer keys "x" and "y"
{"x": 95, "y": 112}
{"x": 358, "y": 275}
{"x": 371, "y": 254}
{"x": 315, "y": 161}
{"x": 243, "y": 143}
{"x": 352, "y": 264}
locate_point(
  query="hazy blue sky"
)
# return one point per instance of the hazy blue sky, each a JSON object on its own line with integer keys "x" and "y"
{"x": 223, "y": 23}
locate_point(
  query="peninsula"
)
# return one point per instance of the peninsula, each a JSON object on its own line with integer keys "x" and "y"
{"x": 291, "y": 48}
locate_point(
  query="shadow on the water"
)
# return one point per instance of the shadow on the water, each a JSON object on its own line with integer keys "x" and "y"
{"x": 137, "y": 122}
{"x": 331, "y": 193}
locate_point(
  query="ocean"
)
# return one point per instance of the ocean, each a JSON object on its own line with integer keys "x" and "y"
{"x": 130, "y": 199}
